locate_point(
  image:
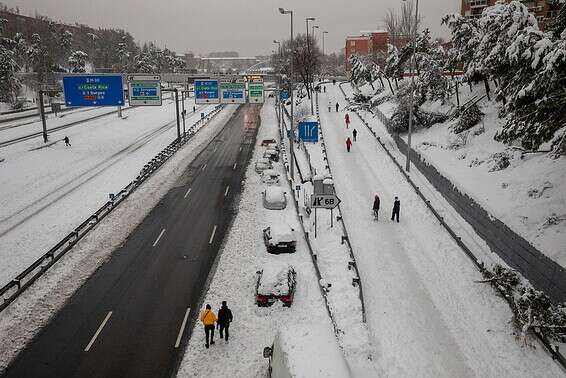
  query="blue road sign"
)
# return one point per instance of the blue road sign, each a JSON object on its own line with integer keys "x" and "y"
{"x": 308, "y": 131}
{"x": 93, "y": 90}
{"x": 206, "y": 91}
{"x": 283, "y": 94}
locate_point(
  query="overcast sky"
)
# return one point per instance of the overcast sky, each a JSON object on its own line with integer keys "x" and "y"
{"x": 246, "y": 26}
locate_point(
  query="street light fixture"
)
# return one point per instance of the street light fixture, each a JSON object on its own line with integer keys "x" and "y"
{"x": 414, "y": 60}
{"x": 307, "y": 68}
{"x": 292, "y": 136}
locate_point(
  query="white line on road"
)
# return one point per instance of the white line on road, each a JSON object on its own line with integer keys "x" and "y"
{"x": 204, "y": 166}
{"x": 235, "y": 164}
{"x": 240, "y": 148}
{"x": 98, "y": 331}
{"x": 159, "y": 237}
{"x": 182, "y": 328}
{"x": 186, "y": 194}
{"x": 226, "y": 191}
{"x": 212, "y": 236}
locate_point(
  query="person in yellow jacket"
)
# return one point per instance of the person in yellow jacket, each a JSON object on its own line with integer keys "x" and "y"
{"x": 208, "y": 318}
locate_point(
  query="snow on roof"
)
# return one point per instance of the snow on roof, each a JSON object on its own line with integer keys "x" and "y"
{"x": 281, "y": 233}
{"x": 274, "y": 194}
{"x": 274, "y": 280}
{"x": 310, "y": 351}
{"x": 373, "y": 31}
{"x": 270, "y": 172}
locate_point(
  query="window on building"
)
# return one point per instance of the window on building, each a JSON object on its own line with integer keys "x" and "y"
{"x": 352, "y": 43}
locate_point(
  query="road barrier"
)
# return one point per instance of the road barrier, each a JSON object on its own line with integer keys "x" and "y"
{"x": 468, "y": 209}
{"x": 25, "y": 279}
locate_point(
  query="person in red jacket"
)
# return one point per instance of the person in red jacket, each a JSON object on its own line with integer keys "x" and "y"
{"x": 347, "y": 119}
{"x": 348, "y": 144}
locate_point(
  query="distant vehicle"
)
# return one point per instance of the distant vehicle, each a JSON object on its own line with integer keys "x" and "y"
{"x": 271, "y": 154}
{"x": 274, "y": 198}
{"x": 262, "y": 164}
{"x": 305, "y": 351}
{"x": 267, "y": 142}
{"x": 270, "y": 177}
{"x": 275, "y": 283}
{"x": 280, "y": 238}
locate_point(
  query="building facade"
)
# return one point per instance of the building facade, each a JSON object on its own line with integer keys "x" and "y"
{"x": 543, "y": 10}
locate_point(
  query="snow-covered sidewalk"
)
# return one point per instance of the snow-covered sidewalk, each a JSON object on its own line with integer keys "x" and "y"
{"x": 234, "y": 280}
{"x": 426, "y": 314}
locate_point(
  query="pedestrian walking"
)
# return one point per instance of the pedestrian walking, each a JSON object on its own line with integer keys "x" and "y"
{"x": 347, "y": 120}
{"x": 329, "y": 107}
{"x": 67, "y": 142}
{"x": 208, "y": 318}
{"x": 224, "y": 320}
{"x": 337, "y": 106}
{"x": 355, "y": 134}
{"x": 376, "y": 206}
{"x": 333, "y": 81}
{"x": 348, "y": 144}
{"x": 396, "y": 208}
{"x": 194, "y": 109}
{"x": 324, "y": 88}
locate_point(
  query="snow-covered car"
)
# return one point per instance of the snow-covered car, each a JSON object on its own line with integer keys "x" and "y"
{"x": 275, "y": 283}
{"x": 267, "y": 142}
{"x": 274, "y": 198}
{"x": 271, "y": 154}
{"x": 279, "y": 238}
{"x": 270, "y": 177}
{"x": 262, "y": 164}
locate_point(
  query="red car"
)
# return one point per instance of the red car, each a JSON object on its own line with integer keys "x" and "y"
{"x": 275, "y": 283}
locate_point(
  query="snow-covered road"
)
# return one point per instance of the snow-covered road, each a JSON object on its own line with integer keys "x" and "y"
{"x": 427, "y": 316}
{"x": 47, "y": 191}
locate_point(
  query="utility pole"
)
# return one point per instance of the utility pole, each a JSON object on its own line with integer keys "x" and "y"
{"x": 42, "y": 114}
{"x": 323, "y": 33}
{"x": 177, "y": 110}
{"x": 292, "y": 136}
{"x": 411, "y": 102}
{"x": 308, "y": 63}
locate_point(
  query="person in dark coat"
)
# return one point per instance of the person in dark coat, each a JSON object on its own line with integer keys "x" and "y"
{"x": 348, "y": 144}
{"x": 396, "y": 208}
{"x": 355, "y": 134}
{"x": 376, "y": 206}
{"x": 224, "y": 320}
{"x": 67, "y": 142}
{"x": 337, "y": 106}
{"x": 347, "y": 120}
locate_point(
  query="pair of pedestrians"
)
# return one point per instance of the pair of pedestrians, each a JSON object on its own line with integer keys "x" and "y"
{"x": 394, "y": 213}
{"x": 349, "y": 141}
{"x": 208, "y": 319}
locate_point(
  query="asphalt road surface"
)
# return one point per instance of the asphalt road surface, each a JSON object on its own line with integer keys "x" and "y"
{"x": 133, "y": 317}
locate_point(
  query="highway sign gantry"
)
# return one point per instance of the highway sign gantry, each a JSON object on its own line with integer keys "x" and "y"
{"x": 144, "y": 90}
{"x": 324, "y": 201}
{"x": 256, "y": 92}
{"x": 93, "y": 90}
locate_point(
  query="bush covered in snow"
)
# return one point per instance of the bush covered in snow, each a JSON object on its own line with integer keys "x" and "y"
{"x": 467, "y": 118}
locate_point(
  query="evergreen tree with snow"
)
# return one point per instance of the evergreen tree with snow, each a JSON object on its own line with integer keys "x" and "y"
{"x": 77, "y": 61}
{"x": 9, "y": 84}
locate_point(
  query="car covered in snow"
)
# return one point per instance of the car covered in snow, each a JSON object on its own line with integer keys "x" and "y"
{"x": 271, "y": 154}
{"x": 270, "y": 176}
{"x": 280, "y": 238}
{"x": 274, "y": 198}
{"x": 275, "y": 283}
{"x": 262, "y": 164}
{"x": 267, "y": 142}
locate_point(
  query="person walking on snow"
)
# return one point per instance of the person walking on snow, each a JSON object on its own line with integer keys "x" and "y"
{"x": 67, "y": 142}
{"x": 396, "y": 208}
{"x": 224, "y": 320}
{"x": 347, "y": 120}
{"x": 337, "y": 106}
{"x": 355, "y": 134}
{"x": 376, "y": 206}
{"x": 329, "y": 107}
{"x": 208, "y": 318}
{"x": 348, "y": 144}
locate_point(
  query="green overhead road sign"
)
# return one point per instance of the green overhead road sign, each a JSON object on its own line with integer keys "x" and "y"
{"x": 255, "y": 91}
{"x": 233, "y": 93}
{"x": 144, "y": 90}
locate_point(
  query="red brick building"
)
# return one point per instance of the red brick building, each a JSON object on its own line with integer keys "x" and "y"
{"x": 543, "y": 10}
{"x": 372, "y": 42}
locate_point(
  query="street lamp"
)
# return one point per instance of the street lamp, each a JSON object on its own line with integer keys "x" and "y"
{"x": 408, "y": 162}
{"x": 292, "y": 136}
{"x": 307, "y": 67}
{"x": 323, "y": 33}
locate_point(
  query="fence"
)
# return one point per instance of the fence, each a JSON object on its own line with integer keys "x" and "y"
{"x": 18, "y": 285}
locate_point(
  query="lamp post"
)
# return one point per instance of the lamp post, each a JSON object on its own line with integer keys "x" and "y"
{"x": 307, "y": 67}
{"x": 279, "y": 44}
{"x": 411, "y": 101}
{"x": 323, "y": 33}
{"x": 292, "y": 136}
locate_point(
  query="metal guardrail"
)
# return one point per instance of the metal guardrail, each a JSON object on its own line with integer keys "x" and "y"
{"x": 555, "y": 353}
{"x": 25, "y": 279}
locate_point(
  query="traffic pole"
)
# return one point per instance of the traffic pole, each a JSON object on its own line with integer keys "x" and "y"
{"x": 177, "y": 111}
{"x": 183, "y": 111}
{"x": 42, "y": 114}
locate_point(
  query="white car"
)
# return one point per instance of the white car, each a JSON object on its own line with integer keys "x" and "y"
{"x": 274, "y": 198}
{"x": 262, "y": 164}
{"x": 280, "y": 238}
{"x": 270, "y": 177}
